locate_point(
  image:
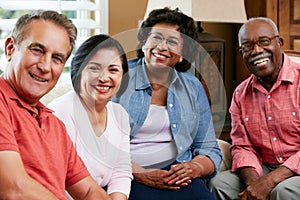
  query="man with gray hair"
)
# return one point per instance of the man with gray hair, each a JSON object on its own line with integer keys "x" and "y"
{"x": 265, "y": 113}
{"x": 37, "y": 157}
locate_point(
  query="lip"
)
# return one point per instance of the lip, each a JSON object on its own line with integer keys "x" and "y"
{"x": 161, "y": 57}
{"x": 102, "y": 87}
{"x": 37, "y": 78}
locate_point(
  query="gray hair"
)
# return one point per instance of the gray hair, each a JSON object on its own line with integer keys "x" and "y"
{"x": 19, "y": 31}
{"x": 265, "y": 19}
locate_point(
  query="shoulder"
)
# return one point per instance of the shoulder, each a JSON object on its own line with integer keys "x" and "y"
{"x": 63, "y": 104}
{"x": 116, "y": 108}
{"x": 132, "y": 63}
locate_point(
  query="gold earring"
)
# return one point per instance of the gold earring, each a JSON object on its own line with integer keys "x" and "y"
{"x": 180, "y": 59}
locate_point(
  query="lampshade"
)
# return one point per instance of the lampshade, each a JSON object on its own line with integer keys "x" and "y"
{"x": 223, "y": 11}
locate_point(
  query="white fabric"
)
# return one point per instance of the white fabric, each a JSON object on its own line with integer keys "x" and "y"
{"x": 153, "y": 145}
{"x": 106, "y": 157}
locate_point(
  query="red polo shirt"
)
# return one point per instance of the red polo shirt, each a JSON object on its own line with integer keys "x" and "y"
{"x": 42, "y": 142}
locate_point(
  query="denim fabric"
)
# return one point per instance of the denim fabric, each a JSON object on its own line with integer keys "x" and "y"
{"x": 188, "y": 109}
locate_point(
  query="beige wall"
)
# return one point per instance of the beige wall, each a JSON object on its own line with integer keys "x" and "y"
{"x": 125, "y": 14}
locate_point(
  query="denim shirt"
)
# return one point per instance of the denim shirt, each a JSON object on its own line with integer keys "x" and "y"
{"x": 187, "y": 105}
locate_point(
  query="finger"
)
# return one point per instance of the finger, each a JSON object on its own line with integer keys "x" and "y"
{"x": 182, "y": 181}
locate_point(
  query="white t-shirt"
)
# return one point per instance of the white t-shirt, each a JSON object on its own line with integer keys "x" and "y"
{"x": 107, "y": 157}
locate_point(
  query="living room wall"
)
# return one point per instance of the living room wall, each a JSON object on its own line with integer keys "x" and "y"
{"x": 125, "y": 15}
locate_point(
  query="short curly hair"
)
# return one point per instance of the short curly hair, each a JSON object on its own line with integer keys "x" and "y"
{"x": 187, "y": 28}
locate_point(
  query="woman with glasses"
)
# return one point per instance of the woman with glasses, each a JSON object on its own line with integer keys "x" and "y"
{"x": 173, "y": 146}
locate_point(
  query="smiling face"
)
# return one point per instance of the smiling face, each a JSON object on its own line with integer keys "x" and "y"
{"x": 101, "y": 77}
{"x": 265, "y": 58}
{"x": 35, "y": 65}
{"x": 163, "y": 46}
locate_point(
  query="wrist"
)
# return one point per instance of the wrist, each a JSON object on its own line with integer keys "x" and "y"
{"x": 197, "y": 169}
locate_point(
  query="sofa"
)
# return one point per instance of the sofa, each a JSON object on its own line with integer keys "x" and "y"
{"x": 62, "y": 88}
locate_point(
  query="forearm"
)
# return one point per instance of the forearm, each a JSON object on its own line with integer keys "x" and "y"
{"x": 248, "y": 174}
{"x": 280, "y": 174}
{"x": 27, "y": 189}
{"x": 202, "y": 166}
{"x": 118, "y": 196}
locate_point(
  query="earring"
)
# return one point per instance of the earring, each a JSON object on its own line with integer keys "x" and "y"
{"x": 180, "y": 59}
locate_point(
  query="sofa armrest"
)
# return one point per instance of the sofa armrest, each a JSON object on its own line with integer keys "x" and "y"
{"x": 226, "y": 160}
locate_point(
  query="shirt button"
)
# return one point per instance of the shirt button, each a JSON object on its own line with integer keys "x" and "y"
{"x": 280, "y": 158}
{"x": 274, "y": 138}
{"x": 171, "y": 105}
{"x": 269, "y": 96}
{"x": 269, "y": 118}
{"x": 246, "y": 119}
{"x": 174, "y": 125}
{"x": 180, "y": 148}
{"x": 294, "y": 113}
{"x": 34, "y": 115}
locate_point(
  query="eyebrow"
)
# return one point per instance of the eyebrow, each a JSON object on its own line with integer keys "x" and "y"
{"x": 37, "y": 44}
{"x": 98, "y": 64}
{"x": 159, "y": 33}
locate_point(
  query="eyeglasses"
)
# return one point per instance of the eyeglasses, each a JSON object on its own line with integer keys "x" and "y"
{"x": 172, "y": 43}
{"x": 262, "y": 42}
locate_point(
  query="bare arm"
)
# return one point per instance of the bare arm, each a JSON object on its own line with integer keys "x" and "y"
{"x": 118, "y": 196}
{"x": 16, "y": 183}
{"x": 87, "y": 189}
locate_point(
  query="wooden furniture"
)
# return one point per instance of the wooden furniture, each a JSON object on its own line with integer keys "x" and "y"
{"x": 210, "y": 71}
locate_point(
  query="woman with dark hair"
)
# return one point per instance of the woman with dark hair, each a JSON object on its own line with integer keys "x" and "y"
{"x": 173, "y": 146}
{"x": 98, "y": 127}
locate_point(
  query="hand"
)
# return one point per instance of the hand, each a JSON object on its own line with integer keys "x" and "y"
{"x": 181, "y": 174}
{"x": 260, "y": 189}
{"x": 154, "y": 179}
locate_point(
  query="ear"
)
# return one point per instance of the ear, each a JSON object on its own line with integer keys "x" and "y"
{"x": 9, "y": 47}
{"x": 281, "y": 41}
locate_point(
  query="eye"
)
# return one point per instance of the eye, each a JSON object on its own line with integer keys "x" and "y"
{"x": 247, "y": 46}
{"x": 115, "y": 69}
{"x": 94, "y": 68}
{"x": 157, "y": 37}
{"x": 58, "y": 60}
{"x": 173, "y": 42}
{"x": 36, "y": 51}
{"x": 264, "y": 41}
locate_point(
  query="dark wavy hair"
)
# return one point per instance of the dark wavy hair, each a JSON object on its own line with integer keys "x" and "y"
{"x": 87, "y": 50}
{"x": 187, "y": 28}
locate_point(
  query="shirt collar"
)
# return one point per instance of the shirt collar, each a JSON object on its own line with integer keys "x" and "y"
{"x": 142, "y": 80}
{"x": 286, "y": 73}
{"x": 13, "y": 96}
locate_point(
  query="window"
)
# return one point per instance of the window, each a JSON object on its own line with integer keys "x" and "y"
{"x": 89, "y": 16}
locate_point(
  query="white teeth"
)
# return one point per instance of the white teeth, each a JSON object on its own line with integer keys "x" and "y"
{"x": 38, "y": 79}
{"x": 102, "y": 88}
{"x": 261, "y": 61}
{"x": 159, "y": 55}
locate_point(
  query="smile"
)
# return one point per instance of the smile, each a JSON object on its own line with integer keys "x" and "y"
{"x": 261, "y": 61}
{"x": 102, "y": 87}
{"x": 37, "y": 78}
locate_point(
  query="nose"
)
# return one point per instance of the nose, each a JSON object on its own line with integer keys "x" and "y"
{"x": 103, "y": 76}
{"x": 162, "y": 45}
{"x": 45, "y": 63}
{"x": 257, "y": 49}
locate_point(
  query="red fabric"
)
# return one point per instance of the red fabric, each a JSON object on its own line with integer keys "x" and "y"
{"x": 46, "y": 150}
{"x": 266, "y": 125}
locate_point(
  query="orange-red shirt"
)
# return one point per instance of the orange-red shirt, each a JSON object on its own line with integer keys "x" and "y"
{"x": 266, "y": 125}
{"x": 42, "y": 142}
